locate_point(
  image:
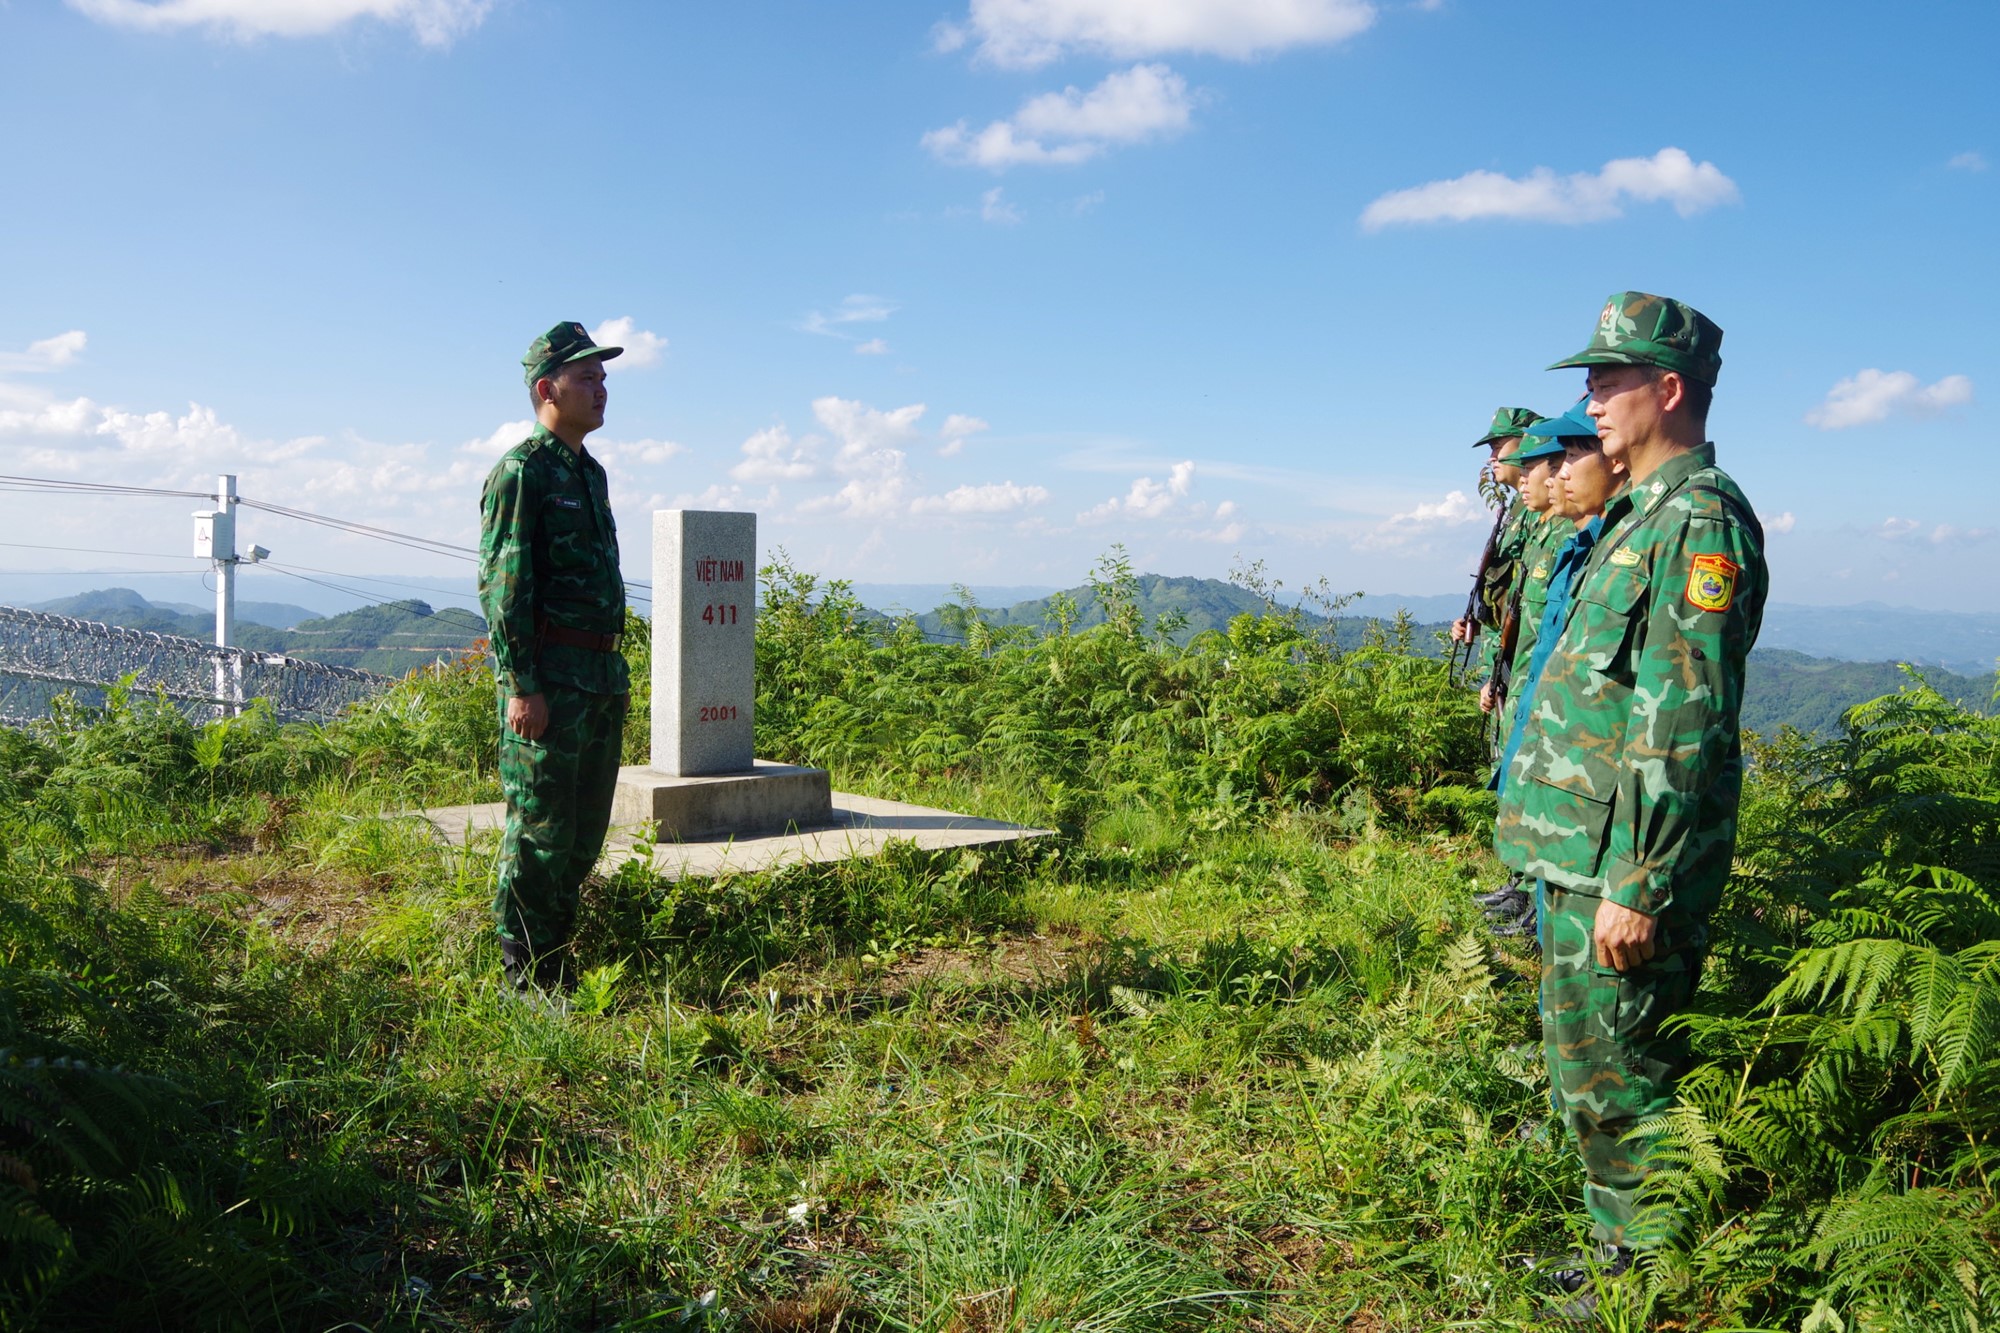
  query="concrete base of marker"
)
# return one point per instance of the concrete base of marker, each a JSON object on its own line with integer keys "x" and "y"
{"x": 767, "y": 797}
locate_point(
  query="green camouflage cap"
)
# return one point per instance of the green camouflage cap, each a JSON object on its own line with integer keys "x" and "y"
{"x": 564, "y": 343}
{"x": 1507, "y": 421}
{"x": 1639, "y": 329}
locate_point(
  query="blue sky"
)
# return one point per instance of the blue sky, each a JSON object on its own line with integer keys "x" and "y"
{"x": 972, "y": 289}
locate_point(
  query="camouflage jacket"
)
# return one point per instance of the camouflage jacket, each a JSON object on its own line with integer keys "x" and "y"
{"x": 1626, "y": 783}
{"x": 1499, "y": 579}
{"x": 1550, "y": 566}
{"x": 548, "y": 554}
{"x": 1542, "y": 535}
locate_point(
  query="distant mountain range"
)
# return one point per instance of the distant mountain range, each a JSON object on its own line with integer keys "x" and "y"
{"x": 1786, "y": 686}
{"x": 391, "y": 637}
{"x": 1810, "y": 664}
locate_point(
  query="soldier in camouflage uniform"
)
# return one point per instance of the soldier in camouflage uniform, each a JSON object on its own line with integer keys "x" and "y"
{"x": 1511, "y": 907}
{"x": 1549, "y": 527}
{"x": 1622, "y": 796}
{"x": 1497, "y": 580}
{"x": 554, "y": 600}
{"x": 1578, "y": 492}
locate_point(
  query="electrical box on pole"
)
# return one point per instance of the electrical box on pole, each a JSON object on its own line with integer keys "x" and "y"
{"x": 214, "y": 534}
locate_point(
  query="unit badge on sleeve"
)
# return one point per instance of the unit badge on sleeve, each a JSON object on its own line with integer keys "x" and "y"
{"x": 1712, "y": 582}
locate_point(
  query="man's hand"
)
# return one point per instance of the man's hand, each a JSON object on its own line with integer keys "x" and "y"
{"x": 1624, "y": 937}
{"x": 1463, "y": 630}
{"x": 528, "y": 717}
{"x": 1489, "y": 698}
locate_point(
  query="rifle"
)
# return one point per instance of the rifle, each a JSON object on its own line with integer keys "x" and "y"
{"x": 1503, "y": 662}
{"x": 1476, "y": 612}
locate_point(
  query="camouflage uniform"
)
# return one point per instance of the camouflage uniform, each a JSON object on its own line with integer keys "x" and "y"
{"x": 548, "y": 570}
{"x": 1626, "y": 782}
{"x": 1543, "y": 536}
{"x": 1499, "y": 578}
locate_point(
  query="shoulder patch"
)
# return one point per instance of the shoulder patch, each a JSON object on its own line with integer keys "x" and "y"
{"x": 1712, "y": 582}
{"x": 1625, "y": 555}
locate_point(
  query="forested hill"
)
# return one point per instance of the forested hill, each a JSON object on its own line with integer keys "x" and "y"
{"x": 1785, "y": 688}
{"x": 392, "y": 637}
{"x": 1810, "y": 693}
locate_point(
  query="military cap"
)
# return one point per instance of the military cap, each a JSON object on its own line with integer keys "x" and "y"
{"x": 564, "y": 343}
{"x": 1507, "y": 421}
{"x": 1575, "y": 422}
{"x": 1534, "y": 448}
{"x": 1639, "y": 329}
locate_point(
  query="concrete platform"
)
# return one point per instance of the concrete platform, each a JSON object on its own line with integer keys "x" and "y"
{"x": 768, "y": 798}
{"x": 855, "y": 826}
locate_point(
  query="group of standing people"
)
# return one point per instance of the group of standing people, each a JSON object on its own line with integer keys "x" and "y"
{"x": 1637, "y": 581}
{"x": 1636, "y": 588}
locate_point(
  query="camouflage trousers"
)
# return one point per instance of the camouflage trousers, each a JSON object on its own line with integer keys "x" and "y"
{"x": 1609, "y": 1065}
{"x": 559, "y": 790}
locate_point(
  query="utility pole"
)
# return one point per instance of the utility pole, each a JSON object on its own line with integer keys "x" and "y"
{"x": 215, "y": 537}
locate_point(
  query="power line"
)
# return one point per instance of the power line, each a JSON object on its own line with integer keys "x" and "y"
{"x": 411, "y": 540}
{"x": 364, "y": 530}
{"x": 92, "y": 550}
{"x": 58, "y": 485}
{"x": 283, "y": 568}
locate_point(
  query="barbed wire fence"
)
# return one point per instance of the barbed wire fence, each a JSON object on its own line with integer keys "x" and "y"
{"x": 43, "y": 656}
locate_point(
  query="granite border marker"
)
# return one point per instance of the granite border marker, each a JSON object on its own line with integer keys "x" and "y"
{"x": 705, "y": 779}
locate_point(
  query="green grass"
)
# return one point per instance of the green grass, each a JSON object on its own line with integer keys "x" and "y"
{"x": 1232, "y": 1051}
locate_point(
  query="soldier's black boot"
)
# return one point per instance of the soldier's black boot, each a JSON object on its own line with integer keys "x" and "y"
{"x": 1581, "y": 1279}
{"x": 1510, "y": 908}
{"x": 542, "y": 982}
{"x": 518, "y": 964}
{"x": 1494, "y": 897}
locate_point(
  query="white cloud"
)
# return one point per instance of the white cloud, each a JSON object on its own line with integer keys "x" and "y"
{"x": 1147, "y": 498}
{"x": 635, "y": 453}
{"x": 46, "y": 353}
{"x": 869, "y": 456}
{"x": 1669, "y": 175}
{"x": 435, "y": 22}
{"x": 859, "y": 308}
{"x": 1871, "y": 395}
{"x": 770, "y": 456}
{"x": 1034, "y": 32}
{"x": 1970, "y": 161}
{"x": 1783, "y": 523}
{"x": 956, "y": 430}
{"x": 995, "y": 498}
{"x": 81, "y": 424}
{"x": 1129, "y": 106}
{"x": 1895, "y": 529}
{"x": 1455, "y": 510}
{"x": 500, "y": 441}
{"x": 992, "y": 208}
{"x": 642, "y": 347}
{"x": 873, "y": 347}
{"x": 868, "y": 436}
{"x": 1085, "y": 204}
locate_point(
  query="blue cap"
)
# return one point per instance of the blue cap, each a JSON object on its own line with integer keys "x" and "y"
{"x": 1569, "y": 425}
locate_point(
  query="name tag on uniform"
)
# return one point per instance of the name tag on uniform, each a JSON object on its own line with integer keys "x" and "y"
{"x": 1624, "y": 555}
{"x": 565, "y": 502}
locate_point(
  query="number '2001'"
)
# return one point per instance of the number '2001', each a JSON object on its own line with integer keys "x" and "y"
{"x": 718, "y": 713}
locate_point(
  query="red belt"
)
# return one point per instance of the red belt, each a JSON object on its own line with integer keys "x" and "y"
{"x": 577, "y": 638}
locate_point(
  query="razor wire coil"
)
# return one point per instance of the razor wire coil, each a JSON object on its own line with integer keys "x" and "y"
{"x": 43, "y": 655}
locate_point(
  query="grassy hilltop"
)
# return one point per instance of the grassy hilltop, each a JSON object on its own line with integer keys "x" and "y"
{"x": 1232, "y": 1051}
